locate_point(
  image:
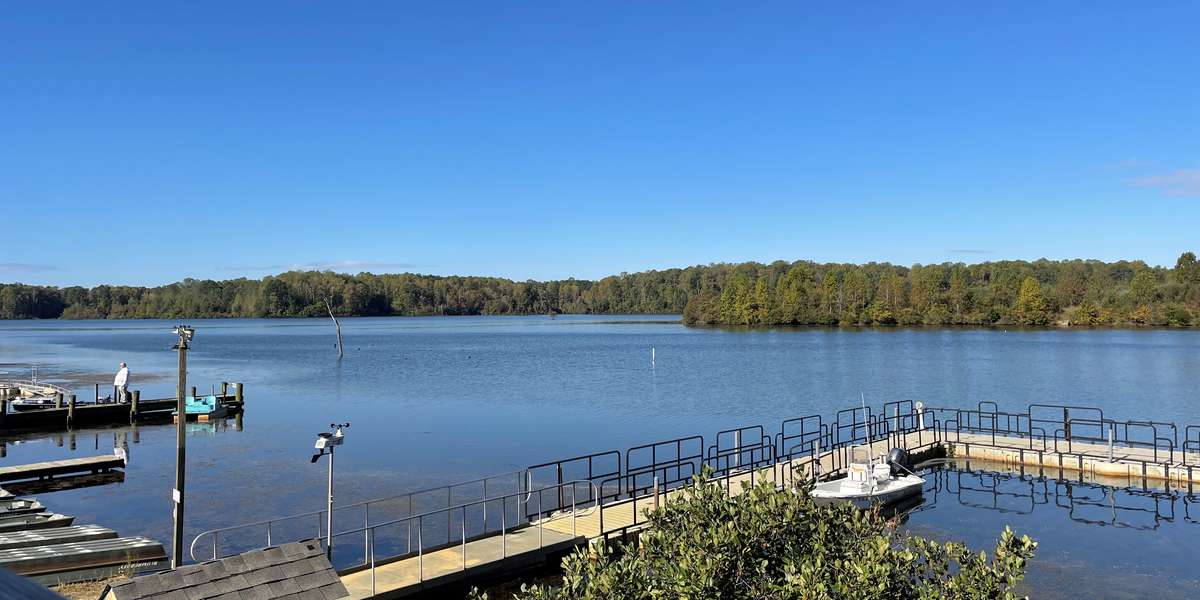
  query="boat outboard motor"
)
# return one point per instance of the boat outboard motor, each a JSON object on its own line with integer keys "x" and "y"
{"x": 900, "y": 461}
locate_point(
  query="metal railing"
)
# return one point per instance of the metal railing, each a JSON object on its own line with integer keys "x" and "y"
{"x": 269, "y": 528}
{"x": 468, "y": 532}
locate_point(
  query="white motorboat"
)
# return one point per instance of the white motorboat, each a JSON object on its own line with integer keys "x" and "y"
{"x": 866, "y": 485}
{"x": 871, "y": 483}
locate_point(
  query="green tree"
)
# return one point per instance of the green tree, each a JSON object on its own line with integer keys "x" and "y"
{"x": 1144, "y": 287}
{"x": 1030, "y": 308}
{"x": 1187, "y": 269}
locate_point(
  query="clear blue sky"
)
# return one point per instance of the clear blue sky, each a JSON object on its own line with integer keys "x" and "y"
{"x": 547, "y": 140}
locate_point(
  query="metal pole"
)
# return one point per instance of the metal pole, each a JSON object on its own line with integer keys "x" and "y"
{"x": 1110, "y": 441}
{"x": 329, "y": 512}
{"x": 180, "y": 453}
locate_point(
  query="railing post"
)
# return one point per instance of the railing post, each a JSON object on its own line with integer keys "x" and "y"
{"x": 1111, "y": 426}
{"x": 504, "y": 526}
{"x": 464, "y": 537}
{"x": 560, "y": 489}
{"x": 371, "y": 539}
{"x": 420, "y": 552}
{"x": 485, "y": 497}
{"x": 366, "y": 524}
{"x": 737, "y": 448}
{"x": 215, "y": 534}
{"x": 656, "y": 492}
{"x": 268, "y": 534}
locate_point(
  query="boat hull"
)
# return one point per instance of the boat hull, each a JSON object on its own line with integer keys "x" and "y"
{"x": 891, "y": 491}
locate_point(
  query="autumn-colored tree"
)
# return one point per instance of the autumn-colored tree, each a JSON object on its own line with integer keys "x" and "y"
{"x": 1031, "y": 304}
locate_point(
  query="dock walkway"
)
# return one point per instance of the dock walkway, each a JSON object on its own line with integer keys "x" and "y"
{"x": 66, "y": 466}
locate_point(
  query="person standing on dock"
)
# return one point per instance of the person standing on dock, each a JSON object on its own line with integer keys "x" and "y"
{"x": 121, "y": 384}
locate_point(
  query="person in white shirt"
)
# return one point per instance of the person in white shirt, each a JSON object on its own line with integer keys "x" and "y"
{"x": 121, "y": 383}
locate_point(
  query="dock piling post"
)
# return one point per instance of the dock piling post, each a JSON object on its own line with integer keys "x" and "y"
{"x": 71, "y": 412}
{"x": 3, "y": 408}
{"x": 237, "y": 395}
{"x": 58, "y": 400}
{"x": 193, "y": 391}
{"x": 133, "y": 407}
{"x": 97, "y": 393}
{"x": 224, "y": 390}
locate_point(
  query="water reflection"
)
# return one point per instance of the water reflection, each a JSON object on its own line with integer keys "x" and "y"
{"x": 1098, "y": 537}
{"x": 1140, "y": 504}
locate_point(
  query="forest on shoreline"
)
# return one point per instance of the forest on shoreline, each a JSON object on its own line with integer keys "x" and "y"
{"x": 1027, "y": 293}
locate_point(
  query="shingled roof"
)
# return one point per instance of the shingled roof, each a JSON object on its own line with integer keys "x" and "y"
{"x": 15, "y": 586}
{"x": 297, "y": 571}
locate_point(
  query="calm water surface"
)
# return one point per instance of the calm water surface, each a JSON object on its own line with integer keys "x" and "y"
{"x": 437, "y": 400}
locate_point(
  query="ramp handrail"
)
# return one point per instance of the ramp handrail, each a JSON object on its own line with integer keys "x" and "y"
{"x": 319, "y": 515}
{"x": 592, "y": 502}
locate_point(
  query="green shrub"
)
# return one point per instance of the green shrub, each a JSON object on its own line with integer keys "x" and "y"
{"x": 780, "y": 545}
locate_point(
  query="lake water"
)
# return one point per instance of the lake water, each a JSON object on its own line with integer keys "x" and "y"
{"x": 438, "y": 400}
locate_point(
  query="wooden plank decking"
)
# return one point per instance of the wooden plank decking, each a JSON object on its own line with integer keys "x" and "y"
{"x": 87, "y": 464}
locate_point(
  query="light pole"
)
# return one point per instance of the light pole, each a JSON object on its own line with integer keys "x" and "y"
{"x": 326, "y": 441}
{"x": 185, "y": 334}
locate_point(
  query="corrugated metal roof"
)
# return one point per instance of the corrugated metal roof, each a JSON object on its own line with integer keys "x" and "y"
{"x": 297, "y": 571}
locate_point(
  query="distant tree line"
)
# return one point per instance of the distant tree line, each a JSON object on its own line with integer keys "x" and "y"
{"x": 1038, "y": 293}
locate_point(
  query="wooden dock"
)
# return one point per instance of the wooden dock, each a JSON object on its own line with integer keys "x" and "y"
{"x": 73, "y": 416}
{"x": 67, "y": 466}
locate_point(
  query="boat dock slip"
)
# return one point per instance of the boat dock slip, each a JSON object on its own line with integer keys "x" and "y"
{"x": 230, "y": 398}
{"x": 89, "y": 464}
{"x": 451, "y": 537}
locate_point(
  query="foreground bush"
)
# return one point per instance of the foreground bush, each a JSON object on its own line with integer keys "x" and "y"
{"x": 770, "y": 544}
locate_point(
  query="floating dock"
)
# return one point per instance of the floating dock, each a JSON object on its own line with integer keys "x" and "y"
{"x": 560, "y": 505}
{"x": 67, "y": 466}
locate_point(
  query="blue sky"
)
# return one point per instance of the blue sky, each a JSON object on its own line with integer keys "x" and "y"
{"x": 144, "y": 143}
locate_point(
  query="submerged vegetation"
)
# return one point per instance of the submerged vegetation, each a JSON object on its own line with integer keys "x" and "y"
{"x": 1038, "y": 293}
{"x": 766, "y": 543}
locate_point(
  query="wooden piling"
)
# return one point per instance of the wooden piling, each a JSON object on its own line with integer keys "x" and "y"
{"x": 3, "y": 409}
{"x": 97, "y": 393}
{"x": 224, "y": 390}
{"x": 133, "y": 406}
{"x": 71, "y": 412}
{"x": 58, "y": 400}
{"x": 237, "y": 394}
{"x": 193, "y": 391}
